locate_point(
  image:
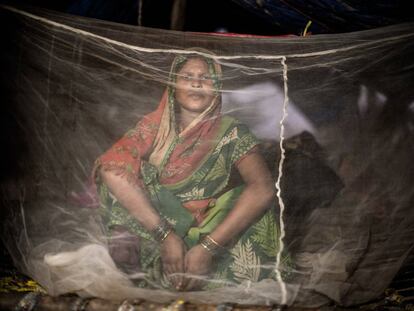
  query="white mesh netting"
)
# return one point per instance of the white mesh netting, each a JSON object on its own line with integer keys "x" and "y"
{"x": 326, "y": 120}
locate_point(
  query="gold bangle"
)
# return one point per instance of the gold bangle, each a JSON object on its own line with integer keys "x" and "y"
{"x": 161, "y": 232}
{"x": 205, "y": 246}
{"x": 214, "y": 241}
{"x": 211, "y": 245}
{"x": 167, "y": 233}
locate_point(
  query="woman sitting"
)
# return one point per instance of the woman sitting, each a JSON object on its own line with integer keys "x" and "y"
{"x": 169, "y": 206}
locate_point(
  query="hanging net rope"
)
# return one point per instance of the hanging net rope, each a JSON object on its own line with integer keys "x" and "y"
{"x": 143, "y": 163}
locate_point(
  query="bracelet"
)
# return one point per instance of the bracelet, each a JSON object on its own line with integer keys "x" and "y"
{"x": 161, "y": 231}
{"x": 211, "y": 245}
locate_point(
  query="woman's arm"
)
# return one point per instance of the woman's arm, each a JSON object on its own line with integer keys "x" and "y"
{"x": 259, "y": 191}
{"x": 253, "y": 201}
{"x": 134, "y": 199}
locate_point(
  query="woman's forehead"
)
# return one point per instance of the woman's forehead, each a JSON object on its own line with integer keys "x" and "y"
{"x": 194, "y": 63}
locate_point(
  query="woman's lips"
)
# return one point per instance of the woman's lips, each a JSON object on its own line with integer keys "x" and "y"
{"x": 196, "y": 95}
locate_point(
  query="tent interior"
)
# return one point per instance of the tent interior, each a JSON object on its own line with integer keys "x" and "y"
{"x": 326, "y": 89}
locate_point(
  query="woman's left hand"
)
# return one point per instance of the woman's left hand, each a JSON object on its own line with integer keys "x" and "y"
{"x": 197, "y": 262}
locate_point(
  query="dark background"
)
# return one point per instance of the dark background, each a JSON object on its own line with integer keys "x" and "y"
{"x": 200, "y": 16}
{"x": 259, "y": 17}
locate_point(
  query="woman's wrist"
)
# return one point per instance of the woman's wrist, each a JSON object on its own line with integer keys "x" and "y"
{"x": 211, "y": 245}
{"x": 162, "y": 231}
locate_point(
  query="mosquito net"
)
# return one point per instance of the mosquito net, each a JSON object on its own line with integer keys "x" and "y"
{"x": 160, "y": 165}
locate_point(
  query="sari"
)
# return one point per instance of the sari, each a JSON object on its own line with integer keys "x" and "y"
{"x": 187, "y": 176}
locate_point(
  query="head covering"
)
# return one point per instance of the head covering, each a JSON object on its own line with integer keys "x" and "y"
{"x": 156, "y": 139}
{"x": 167, "y": 130}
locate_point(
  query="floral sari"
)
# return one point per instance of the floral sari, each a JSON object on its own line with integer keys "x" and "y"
{"x": 187, "y": 176}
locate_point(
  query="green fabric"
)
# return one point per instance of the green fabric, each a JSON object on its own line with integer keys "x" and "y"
{"x": 251, "y": 256}
{"x": 234, "y": 140}
{"x": 216, "y": 214}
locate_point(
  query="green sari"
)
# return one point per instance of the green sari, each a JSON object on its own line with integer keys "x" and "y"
{"x": 180, "y": 172}
{"x": 250, "y": 256}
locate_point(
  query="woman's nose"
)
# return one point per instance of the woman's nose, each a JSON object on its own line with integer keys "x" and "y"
{"x": 196, "y": 83}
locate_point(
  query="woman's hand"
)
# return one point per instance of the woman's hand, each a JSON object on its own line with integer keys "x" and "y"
{"x": 197, "y": 262}
{"x": 172, "y": 256}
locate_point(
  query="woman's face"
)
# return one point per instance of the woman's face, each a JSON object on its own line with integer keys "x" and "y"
{"x": 194, "y": 86}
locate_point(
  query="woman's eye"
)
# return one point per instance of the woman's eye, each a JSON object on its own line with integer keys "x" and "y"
{"x": 190, "y": 78}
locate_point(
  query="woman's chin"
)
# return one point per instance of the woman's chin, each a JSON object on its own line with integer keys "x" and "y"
{"x": 195, "y": 107}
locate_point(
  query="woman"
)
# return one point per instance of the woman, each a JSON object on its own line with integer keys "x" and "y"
{"x": 166, "y": 194}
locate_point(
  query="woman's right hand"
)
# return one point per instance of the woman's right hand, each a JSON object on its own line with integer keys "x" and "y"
{"x": 172, "y": 256}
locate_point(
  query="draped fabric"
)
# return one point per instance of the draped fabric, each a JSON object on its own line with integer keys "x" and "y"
{"x": 153, "y": 136}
